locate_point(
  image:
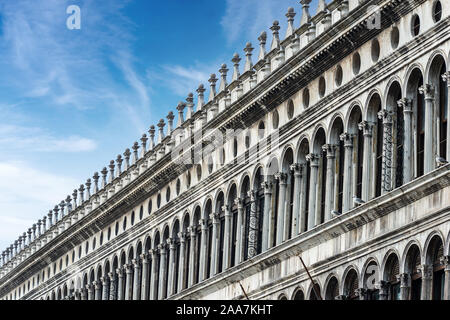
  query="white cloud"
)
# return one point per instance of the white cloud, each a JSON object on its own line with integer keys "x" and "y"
{"x": 26, "y": 195}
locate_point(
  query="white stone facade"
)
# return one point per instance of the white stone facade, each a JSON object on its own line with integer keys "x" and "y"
{"x": 339, "y": 155}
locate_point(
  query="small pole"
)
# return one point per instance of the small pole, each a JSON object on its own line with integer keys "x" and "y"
{"x": 245, "y": 294}
{"x": 311, "y": 279}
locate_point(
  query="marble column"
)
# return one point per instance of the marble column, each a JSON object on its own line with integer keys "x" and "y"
{"x": 90, "y": 291}
{"x": 405, "y": 286}
{"x": 105, "y": 287}
{"x": 384, "y": 290}
{"x": 154, "y": 274}
{"x": 252, "y": 241}
{"x": 182, "y": 263}
{"x": 428, "y": 90}
{"x": 267, "y": 214}
{"x": 281, "y": 218}
{"x": 128, "y": 282}
{"x": 227, "y": 238}
{"x": 446, "y": 261}
{"x": 215, "y": 244}
{"x": 162, "y": 272}
{"x": 296, "y": 202}
{"x": 83, "y": 294}
{"x": 239, "y": 253}
{"x": 347, "y": 202}
{"x": 314, "y": 164}
{"x": 203, "y": 247}
{"x": 144, "y": 284}
{"x": 303, "y": 197}
{"x": 406, "y": 104}
{"x": 427, "y": 282}
{"x": 112, "y": 286}
{"x": 171, "y": 276}
{"x": 136, "y": 279}
{"x": 120, "y": 284}
{"x": 446, "y": 77}
{"x": 386, "y": 170}
{"x": 367, "y": 129}
{"x": 192, "y": 254}
{"x": 330, "y": 149}
{"x": 98, "y": 290}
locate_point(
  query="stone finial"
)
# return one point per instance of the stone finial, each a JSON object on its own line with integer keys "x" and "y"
{"x": 126, "y": 156}
{"x": 170, "y": 118}
{"x": 276, "y": 35}
{"x": 236, "y": 59}
{"x": 16, "y": 244}
{"x": 95, "y": 177}
{"x": 75, "y": 197}
{"x": 190, "y": 105}
{"x": 62, "y": 204}
{"x": 69, "y": 203}
{"x": 223, "y": 76}
{"x": 262, "y": 45}
{"x": 290, "y": 18}
{"x": 111, "y": 166}
{"x": 135, "y": 148}
{"x": 44, "y": 224}
{"x": 180, "y": 108}
{"x": 81, "y": 194}
{"x": 144, "y": 140}
{"x": 119, "y": 161}
{"x": 39, "y": 227}
{"x": 161, "y": 125}
{"x": 88, "y": 189}
{"x": 24, "y": 237}
{"x": 306, "y": 17}
{"x": 212, "y": 82}
{"x": 34, "y": 231}
{"x": 201, "y": 97}
{"x": 104, "y": 173}
{"x": 55, "y": 211}
{"x": 50, "y": 220}
{"x": 248, "y": 57}
{"x": 152, "y": 131}
{"x": 20, "y": 243}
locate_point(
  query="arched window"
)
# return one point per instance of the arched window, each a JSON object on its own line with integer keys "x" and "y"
{"x": 370, "y": 281}
{"x": 332, "y": 289}
{"x": 434, "y": 255}
{"x": 391, "y": 276}
{"x": 351, "y": 285}
{"x": 412, "y": 267}
{"x": 132, "y": 218}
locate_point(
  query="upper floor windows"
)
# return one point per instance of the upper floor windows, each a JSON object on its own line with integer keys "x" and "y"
{"x": 356, "y": 63}
{"x": 322, "y": 87}
{"x": 395, "y": 37}
{"x": 375, "y": 50}
{"x": 437, "y": 11}
{"x": 306, "y": 98}
{"x": 338, "y": 76}
{"x": 415, "y": 25}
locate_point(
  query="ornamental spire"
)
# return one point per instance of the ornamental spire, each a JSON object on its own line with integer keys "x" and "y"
{"x": 161, "y": 125}
{"x": 201, "y": 97}
{"x": 290, "y": 16}
{"x": 151, "y": 131}
{"x": 236, "y": 59}
{"x": 248, "y": 57}
{"x": 223, "y": 75}
{"x": 180, "y": 108}
{"x": 212, "y": 93}
{"x": 104, "y": 172}
{"x": 170, "y": 117}
{"x": 127, "y": 155}
{"x": 262, "y": 45}
{"x": 306, "y": 18}
{"x": 321, "y": 6}
{"x": 276, "y": 35}
{"x": 144, "y": 140}
{"x": 95, "y": 177}
{"x": 135, "y": 152}
{"x": 190, "y": 105}
{"x": 112, "y": 165}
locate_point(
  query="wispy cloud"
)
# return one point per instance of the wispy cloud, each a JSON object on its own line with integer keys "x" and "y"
{"x": 26, "y": 194}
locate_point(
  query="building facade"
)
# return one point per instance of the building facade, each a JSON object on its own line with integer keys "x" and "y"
{"x": 330, "y": 150}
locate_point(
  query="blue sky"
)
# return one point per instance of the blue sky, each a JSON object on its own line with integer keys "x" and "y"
{"x": 71, "y": 100}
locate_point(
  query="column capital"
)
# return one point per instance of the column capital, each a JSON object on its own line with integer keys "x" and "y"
{"x": 182, "y": 236}
{"x": 96, "y": 284}
{"x": 252, "y": 195}
{"x": 404, "y": 279}
{"x": 238, "y": 202}
{"x": 153, "y": 252}
{"x": 119, "y": 272}
{"x": 347, "y": 138}
{"x": 313, "y": 159}
{"x": 366, "y": 127}
{"x": 330, "y": 149}
{"x": 360, "y": 292}
{"x": 446, "y": 77}
{"x": 281, "y": 177}
{"x": 296, "y": 168}
{"x": 162, "y": 248}
{"x": 214, "y": 217}
{"x": 88, "y": 287}
{"x": 111, "y": 276}
{"x": 135, "y": 263}
{"x": 445, "y": 260}
{"x": 427, "y": 90}
{"x": 104, "y": 280}
{"x": 191, "y": 231}
{"x": 226, "y": 209}
{"x": 267, "y": 186}
{"x": 427, "y": 271}
{"x": 386, "y": 116}
{"x": 203, "y": 223}
{"x": 406, "y": 104}
{"x": 128, "y": 268}
{"x": 144, "y": 257}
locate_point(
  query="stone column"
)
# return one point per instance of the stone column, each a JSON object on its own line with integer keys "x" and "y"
{"x": 406, "y": 104}
{"x": 129, "y": 282}
{"x": 427, "y": 282}
{"x": 253, "y": 228}
{"x": 144, "y": 282}
{"x": 384, "y": 290}
{"x": 120, "y": 284}
{"x": 430, "y": 129}
{"x": 136, "y": 278}
{"x": 282, "y": 232}
{"x": 83, "y": 293}
{"x": 303, "y": 192}
{"x": 105, "y": 286}
{"x": 162, "y": 271}
{"x": 193, "y": 248}
{"x": 446, "y": 77}
{"x": 314, "y": 164}
{"x": 386, "y": 171}
{"x": 112, "y": 286}
{"x": 367, "y": 128}
{"x": 171, "y": 275}
{"x": 330, "y": 149}
{"x": 215, "y": 244}
{"x": 446, "y": 261}
{"x": 90, "y": 291}
{"x": 239, "y": 253}
{"x": 267, "y": 214}
{"x": 154, "y": 277}
{"x": 405, "y": 286}
{"x": 296, "y": 203}
{"x": 227, "y": 238}
{"x": 347, "y": 192}
{"x": 203, "y": 247}
{"x": 98, "y": 290}
{"x": 361, "y": 293}
{"x": 181, "y": 265}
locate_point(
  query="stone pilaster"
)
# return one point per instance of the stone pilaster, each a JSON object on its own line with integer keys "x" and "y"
{"x": 386, "y": 172}
{"x": 98, "y": 290}
{"x": 120, "y": 284}
{"x": 253, "y": 224}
